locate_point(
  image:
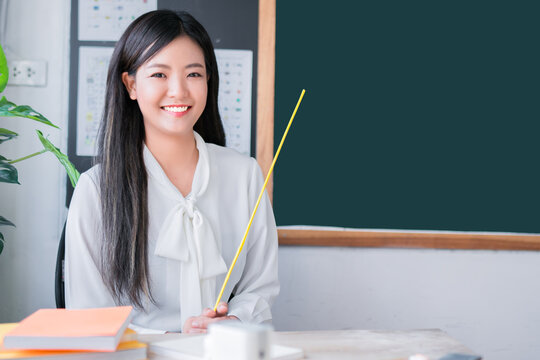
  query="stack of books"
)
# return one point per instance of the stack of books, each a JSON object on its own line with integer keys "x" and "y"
{"x": 52, "y": 334}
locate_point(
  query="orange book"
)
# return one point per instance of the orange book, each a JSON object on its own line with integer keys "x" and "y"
{"x": 128, "y": 349}
{"x": 97, "y": 329}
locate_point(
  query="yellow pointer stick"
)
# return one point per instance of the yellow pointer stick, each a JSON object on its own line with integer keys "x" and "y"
{"x": 258, "y": 201}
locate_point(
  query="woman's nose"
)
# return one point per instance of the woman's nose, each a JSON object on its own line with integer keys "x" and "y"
{"x": 178, "y": 87}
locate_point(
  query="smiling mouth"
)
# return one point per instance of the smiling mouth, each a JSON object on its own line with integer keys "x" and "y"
{"x": 176, "y": 109}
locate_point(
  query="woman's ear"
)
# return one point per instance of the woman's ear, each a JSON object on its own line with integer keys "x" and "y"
{"x": 129, "y": 83}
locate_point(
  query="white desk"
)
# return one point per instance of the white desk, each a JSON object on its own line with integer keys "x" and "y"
{"x": 359, "y": 344}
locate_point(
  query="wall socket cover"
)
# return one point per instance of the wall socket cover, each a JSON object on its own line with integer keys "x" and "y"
{"x": 27, "y": 72}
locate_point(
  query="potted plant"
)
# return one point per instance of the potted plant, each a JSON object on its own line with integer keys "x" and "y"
{"x": 8, "y": 172}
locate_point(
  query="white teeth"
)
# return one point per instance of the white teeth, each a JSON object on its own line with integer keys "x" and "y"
{"x": 176, "y": 108}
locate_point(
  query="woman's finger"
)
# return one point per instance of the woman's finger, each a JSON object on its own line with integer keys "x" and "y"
{"x": 209, "y": 312}
{"x": 222, "y": 309}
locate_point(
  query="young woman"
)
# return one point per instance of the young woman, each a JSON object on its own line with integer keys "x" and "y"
{"x": 156, "y": 223}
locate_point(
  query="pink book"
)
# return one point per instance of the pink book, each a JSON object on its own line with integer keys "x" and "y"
{"x": 97, "y": 329}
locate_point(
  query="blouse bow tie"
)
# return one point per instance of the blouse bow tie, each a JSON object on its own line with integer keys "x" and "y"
{"x": 186, "y": 236}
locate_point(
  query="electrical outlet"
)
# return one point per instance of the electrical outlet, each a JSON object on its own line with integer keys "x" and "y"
{"x": 28, "y": 72}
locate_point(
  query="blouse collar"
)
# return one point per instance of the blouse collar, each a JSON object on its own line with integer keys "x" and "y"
{"x": 200, "y": 178}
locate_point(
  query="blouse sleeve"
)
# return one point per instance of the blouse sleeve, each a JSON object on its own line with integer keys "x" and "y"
{"x": 259, "y": 284}
{"x": 84, "y": 286}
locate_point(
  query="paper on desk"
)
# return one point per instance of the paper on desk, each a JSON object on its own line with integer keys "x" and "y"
{"x": 192, "y": 348}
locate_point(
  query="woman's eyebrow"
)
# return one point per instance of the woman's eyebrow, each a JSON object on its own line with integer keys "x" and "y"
{"x": 158, "y": 65}
{"x": 194, "y": 65}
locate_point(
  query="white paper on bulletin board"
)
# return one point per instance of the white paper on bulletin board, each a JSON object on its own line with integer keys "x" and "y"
{"x": 106, "y": 20}
{"x": 235, "y": 74}
{"x": 234, "y": 100}
{"x": 92, "y": 77}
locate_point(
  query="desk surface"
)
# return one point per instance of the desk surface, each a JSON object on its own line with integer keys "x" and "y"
{"x": 360, "y": 344}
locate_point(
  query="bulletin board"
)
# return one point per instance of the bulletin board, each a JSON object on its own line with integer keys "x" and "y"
{"x": 96, "y": 25}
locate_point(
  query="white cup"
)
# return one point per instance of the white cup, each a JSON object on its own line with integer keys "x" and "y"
{"x": 233, "y": 340}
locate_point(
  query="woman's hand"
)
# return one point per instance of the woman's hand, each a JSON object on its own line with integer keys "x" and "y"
{"x": 199, "y": 324}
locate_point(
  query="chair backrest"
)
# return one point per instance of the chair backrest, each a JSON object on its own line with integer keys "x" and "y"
{"x": 59, "y": 273}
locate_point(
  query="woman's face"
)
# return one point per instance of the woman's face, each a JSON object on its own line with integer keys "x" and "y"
{"x": 170, "y": 88}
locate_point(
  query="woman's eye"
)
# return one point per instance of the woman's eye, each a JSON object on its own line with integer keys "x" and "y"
{"x": 194, "y": 74}
{"x": 158, "y": 75}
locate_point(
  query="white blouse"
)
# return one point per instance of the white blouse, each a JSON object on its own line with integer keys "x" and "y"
{"x": 192, "y": 241}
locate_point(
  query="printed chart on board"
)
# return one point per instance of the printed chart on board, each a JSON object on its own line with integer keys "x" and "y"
{"x": 106, "y": 20}
{"x": 92, "y": 77}
{"x": 234, "y": 100}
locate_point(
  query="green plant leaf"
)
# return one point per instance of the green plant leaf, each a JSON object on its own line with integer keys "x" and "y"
{"x": 70, "y": 169}
{"x": 8, "y": 172}
{"x": 1, "y": 242}
{"x": 7, "y": 108}
{"x": 6, "y": 135}
{"x": 4, "y": 71}
{"x": 5, "y": 222}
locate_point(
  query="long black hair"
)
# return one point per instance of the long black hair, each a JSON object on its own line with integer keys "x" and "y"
{"x": 123, "y": 177}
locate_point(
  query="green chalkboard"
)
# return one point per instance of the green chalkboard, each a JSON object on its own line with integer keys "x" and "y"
{"x": 417, "y": 115}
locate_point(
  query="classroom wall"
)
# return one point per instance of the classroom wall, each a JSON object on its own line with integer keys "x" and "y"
{"x": 36, "y": 29}
{"x": 488, "y": 300}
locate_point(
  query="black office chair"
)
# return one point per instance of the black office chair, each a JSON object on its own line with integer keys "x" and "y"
{"x": 59, "y": 273}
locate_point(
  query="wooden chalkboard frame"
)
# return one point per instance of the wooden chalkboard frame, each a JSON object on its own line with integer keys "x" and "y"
{"x": 345, "y": 237}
